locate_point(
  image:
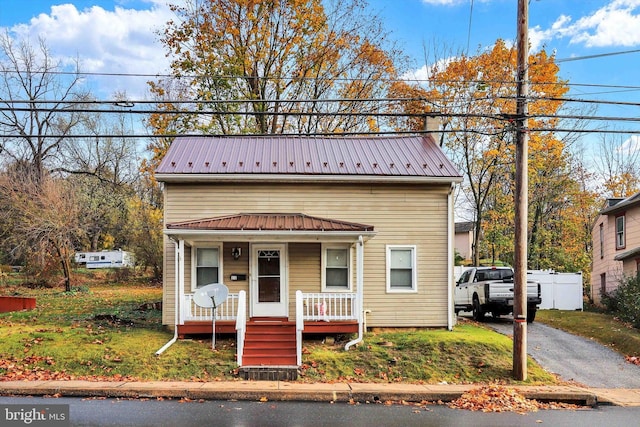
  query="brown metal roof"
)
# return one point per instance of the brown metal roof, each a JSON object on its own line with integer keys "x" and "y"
{"x": 270, "y": 222}
{"x": 408, "y": 156}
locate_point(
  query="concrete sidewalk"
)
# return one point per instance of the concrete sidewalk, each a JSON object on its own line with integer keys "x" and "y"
{"x": 316, "y": 392}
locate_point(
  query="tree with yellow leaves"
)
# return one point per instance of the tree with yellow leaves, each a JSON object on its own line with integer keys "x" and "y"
{"x": 269, "y": 67}
{"x": 475, "y": 98}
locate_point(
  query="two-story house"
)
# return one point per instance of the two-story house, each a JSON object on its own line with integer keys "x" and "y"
{"x": 616, "y": 245}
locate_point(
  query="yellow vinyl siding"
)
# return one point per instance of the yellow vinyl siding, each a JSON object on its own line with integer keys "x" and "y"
{"x": 401, "y": 214}
{"x": 304, "y": 271}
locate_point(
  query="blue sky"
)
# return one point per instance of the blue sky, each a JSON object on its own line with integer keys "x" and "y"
{"x": 117, "y": 36}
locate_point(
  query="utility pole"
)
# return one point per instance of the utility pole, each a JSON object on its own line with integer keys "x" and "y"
{"x": 521, "y": 198}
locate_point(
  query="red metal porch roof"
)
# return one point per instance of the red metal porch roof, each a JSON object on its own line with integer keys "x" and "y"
{"x": 270, "y": 222}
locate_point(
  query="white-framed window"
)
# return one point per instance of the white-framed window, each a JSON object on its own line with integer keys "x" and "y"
{"x": 336, "y": 268}
{"x": 401, "y": 268}
{"x": 620, "y": 240}
{"x": 206, "y": 265}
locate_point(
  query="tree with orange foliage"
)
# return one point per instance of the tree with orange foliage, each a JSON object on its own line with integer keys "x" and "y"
{"x": 475, "y": 98}
{"x": 269, "y": 67}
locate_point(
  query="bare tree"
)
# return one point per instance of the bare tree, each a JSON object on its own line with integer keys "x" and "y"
{"x": 44, "y": 215}
{"x": 617, "y": 165}
{"x": 36, "y": 113}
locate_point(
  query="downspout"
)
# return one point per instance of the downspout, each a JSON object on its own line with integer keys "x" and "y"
{"x": 359, "y": 292}
{"x": 175, "y": 307}
{"x": 450, "y": 259}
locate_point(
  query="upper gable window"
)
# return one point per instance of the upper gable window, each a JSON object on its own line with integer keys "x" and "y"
{"x": 620, "y": 226}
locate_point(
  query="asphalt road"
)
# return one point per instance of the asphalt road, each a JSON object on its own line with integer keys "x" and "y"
{"x": 139, "y": 412}
{"x": 574, "y": 358}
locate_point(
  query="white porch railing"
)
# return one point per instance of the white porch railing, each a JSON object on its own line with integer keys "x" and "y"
{"x": 228, "y": 310}
{"x": 328, "y": 306}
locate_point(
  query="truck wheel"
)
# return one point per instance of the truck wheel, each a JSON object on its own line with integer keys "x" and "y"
{"x": 478, "y": 312}
{"x": 531, "y": 315}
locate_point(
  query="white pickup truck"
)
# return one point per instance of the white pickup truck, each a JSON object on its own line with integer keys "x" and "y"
{"x": 490, "y": 290}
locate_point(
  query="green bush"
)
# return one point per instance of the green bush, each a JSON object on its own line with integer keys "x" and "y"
{"x": 625, "y": 301}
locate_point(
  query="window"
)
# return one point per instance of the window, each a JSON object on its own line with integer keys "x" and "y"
{"x": 401, "y": 269}
{"x": 207, "y": 266}
{"x": 603, "y": 284}
{"x": 620, "y": 242}
{"x": 336, "y": 271}
{"x": 465, "y": 277}
{"x": 601, "y": 241}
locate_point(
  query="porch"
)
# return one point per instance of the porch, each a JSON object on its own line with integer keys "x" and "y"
{"x": 269, "y": 341}
{"x": 322, "y": 313}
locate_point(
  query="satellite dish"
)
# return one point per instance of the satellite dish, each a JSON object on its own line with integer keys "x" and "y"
{"x": 211, "y": 296}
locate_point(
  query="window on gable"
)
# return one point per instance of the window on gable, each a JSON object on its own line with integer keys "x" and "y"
{"x": 401, "y": 269}
{"x": 620, "y": 239}
{"x": 336, "y": 262}
{"x": 207, "y": 266}
{"x": 601, "y": 241}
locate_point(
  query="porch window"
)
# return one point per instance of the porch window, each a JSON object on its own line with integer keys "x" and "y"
{"x": 336, "y": 271}
{"x": 401, "y": 269}
{"x": 620, "y": 241}
{"x": 207, "y": 266}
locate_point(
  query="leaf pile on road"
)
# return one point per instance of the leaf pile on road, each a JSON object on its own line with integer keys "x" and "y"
{"x": 633, "y": 359}
{"x": 497, "y": 398}
{"x": 28, "y": 369}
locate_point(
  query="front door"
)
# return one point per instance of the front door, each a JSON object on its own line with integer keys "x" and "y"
{"x": 269, "y": 281}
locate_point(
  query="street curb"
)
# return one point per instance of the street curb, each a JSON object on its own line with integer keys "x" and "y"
{"x": 284, "y": 391}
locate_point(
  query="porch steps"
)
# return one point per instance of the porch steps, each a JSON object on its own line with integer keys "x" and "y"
{"x": 270, "y": 342}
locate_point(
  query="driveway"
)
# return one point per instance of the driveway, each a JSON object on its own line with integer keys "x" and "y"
{"x": 574, "y": 358}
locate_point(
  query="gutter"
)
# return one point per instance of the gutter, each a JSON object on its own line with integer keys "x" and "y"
{"x": 175, "y": 308}
{"x": 297, "y": 178}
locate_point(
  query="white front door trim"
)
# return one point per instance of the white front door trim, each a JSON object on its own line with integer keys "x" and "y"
{"x": 279, "y": 307}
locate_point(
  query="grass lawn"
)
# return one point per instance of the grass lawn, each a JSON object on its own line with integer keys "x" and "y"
{"x": 110, "y": 331}
{"x": 603, "y": 328}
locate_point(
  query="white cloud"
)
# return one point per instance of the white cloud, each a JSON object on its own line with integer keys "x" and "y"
{"x": 630, "y": 146}
{"x": 616, "y": 24}
{"x": 538, "y": 37}
{"x": 122, "y": 41}
{"x": 422, "y": 74}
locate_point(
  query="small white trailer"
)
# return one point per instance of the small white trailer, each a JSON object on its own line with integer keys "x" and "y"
{"x": 105, "y": 259}
{"x": 560, "y": 291}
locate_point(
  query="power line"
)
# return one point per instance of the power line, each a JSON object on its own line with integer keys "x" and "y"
{"x": 600, "y": 55}
{"x": 341, "y": 79}
{"x": 328, "y": 133}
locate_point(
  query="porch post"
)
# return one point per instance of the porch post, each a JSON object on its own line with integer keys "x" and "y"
{"x": 180, "y": 276}
{"x": 359, "y": 292}
{"x": 360, "y": 280}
